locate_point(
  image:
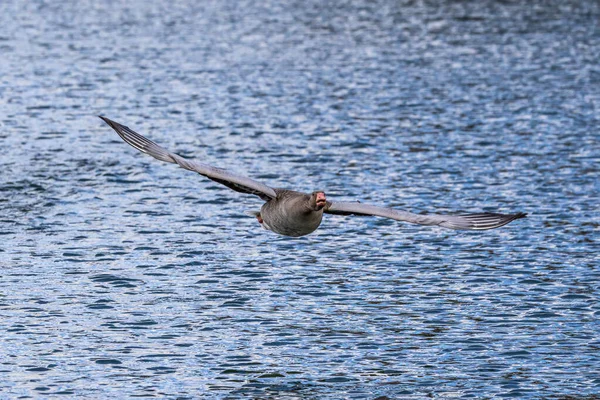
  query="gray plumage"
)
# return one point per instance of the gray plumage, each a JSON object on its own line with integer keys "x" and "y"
{"x": 480, "y": 221}
{"x": 291, "y": 206}
{"x": 236, "y": 182}
{"x": 292, "y": 213}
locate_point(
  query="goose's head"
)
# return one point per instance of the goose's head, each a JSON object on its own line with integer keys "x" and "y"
{"x": 318, "y": 200}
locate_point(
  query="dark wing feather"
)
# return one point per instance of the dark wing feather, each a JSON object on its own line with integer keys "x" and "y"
{"x": 236, "y": 182}
{"x": 479, "y": 221}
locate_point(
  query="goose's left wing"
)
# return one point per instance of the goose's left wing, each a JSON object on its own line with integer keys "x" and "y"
{"x": 478, "y": 221}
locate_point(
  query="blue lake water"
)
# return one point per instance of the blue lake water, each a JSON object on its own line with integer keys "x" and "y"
{"x": 126, "y": 277}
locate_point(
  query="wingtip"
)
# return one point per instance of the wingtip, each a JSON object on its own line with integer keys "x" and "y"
{"x": 108, "y": 121}
{"x": 485, "y": 221}
{"x": 111, "y": 123}
{"x": 520, "y": 215}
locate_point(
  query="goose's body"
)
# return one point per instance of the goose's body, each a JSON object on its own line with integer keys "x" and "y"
{"x": 293, "y": 213}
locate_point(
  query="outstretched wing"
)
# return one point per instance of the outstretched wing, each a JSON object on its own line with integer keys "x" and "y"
{"x": 236, "y": 182}
{"x": 480, "y": 221}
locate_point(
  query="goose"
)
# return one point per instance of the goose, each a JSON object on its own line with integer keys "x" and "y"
{"x": 295, "y": 214}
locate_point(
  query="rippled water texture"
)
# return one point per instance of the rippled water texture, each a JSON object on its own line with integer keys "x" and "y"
{"x": 125, "y": 277}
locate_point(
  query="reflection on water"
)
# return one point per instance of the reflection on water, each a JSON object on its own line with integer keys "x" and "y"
{"x": 125, "y": 276}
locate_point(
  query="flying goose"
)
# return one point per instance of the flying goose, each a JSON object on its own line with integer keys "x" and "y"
{"x": 295, "y": 214}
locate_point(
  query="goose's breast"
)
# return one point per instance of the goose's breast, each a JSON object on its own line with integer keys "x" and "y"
{"x": 289, "y": 221}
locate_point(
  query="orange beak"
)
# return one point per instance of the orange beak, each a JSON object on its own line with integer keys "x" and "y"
{"x": 321, "y": 200}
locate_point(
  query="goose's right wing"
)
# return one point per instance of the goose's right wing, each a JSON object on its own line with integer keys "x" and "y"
{"x": 479, "y": 221}
{"x": 236, "y": 182}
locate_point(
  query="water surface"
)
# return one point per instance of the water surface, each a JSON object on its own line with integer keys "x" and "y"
{"x": 123, "y": 276}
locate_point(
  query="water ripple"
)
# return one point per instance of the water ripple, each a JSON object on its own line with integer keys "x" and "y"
{"x": 125, "y": 277}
